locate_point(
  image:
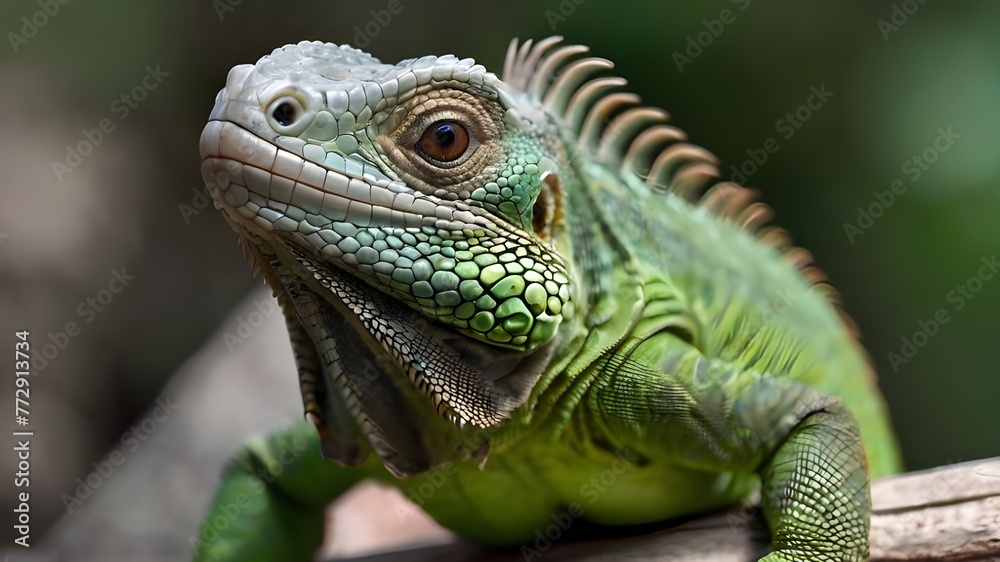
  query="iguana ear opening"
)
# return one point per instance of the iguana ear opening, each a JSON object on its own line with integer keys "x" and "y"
{"x": 547, "y": 213}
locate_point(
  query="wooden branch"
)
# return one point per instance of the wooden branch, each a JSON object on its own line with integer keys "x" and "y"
{"x": 947, "y": 513}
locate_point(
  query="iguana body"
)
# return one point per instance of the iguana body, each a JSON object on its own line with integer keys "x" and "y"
{"x": 500, "y": 290}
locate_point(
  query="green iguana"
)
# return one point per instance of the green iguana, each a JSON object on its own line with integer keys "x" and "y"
{"x": 520, "y": 282}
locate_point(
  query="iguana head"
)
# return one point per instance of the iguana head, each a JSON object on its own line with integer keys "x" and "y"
{"x": 426, "y": 179}
{"x": 421, "y": 201}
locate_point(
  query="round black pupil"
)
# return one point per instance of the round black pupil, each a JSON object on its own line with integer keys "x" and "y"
{"x": 284, "y": 114}
{"x": 444, "y": 135}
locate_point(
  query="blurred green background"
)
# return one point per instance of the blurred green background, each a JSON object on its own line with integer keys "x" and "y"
{"x": 894, "y": 86}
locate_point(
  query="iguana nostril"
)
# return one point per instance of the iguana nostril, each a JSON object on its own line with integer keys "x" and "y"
{"x": 284, "y": 114}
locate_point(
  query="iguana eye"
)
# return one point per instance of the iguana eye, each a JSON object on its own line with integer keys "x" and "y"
{"x": 284, "y": 113}
{"x": 443, "y": 141}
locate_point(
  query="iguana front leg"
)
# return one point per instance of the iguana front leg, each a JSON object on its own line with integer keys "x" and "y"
{"x": 673, "y": 404}
{"x": 272, "y": 500}
{"x": 816, "y": 495}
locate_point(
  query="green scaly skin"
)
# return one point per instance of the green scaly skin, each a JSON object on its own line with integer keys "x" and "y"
{"x": 549, "y": 320}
